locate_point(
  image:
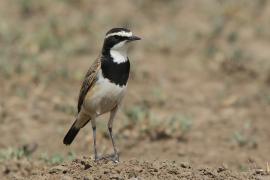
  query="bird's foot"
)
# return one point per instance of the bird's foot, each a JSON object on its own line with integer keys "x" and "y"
{"x": 115, "y": 158}
{"x": 112, "y": 157}
{"x": 97, "y": 158}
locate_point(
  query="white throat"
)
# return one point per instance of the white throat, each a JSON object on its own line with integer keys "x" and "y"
{"x": 119, "y": 55}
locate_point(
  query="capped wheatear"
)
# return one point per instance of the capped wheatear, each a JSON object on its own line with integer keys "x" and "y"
{"x": 104, "y": 85}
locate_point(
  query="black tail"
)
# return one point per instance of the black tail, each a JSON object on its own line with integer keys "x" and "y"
{"x": 72, "y": 132}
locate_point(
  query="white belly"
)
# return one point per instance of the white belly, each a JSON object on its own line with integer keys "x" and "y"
{"x": 105, "y": 97}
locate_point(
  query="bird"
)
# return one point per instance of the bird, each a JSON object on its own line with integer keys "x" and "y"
{"x": 104, "y": 86}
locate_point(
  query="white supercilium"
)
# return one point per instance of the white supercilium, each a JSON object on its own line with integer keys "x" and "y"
{"x": 121, "y": 33}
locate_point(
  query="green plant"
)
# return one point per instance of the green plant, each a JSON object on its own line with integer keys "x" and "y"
{"x": 54, "y": 159}
{"x": 13, "y": 153}
{"x": 137, "y": 113}
{"x": 47, "y": 38}
{"x": 159, "y": 96}
{"x": 57, "y": 158}
{"x": 240, "y": 138}
{"x": 172, "y": 127}
{"x": 245, "y": 136}
{"x": 26, "y": 6}
{"x": 185, "y": 123}
{"x": 179, "y": 124}
{"x": 232, "y": 37}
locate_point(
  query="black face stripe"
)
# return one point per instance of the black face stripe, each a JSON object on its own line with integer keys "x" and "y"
{"x": 116, "y": 73}
{"x": 109, "y": 42}
{"x": 119, "y": 38}
{"x": 116, "y": 39}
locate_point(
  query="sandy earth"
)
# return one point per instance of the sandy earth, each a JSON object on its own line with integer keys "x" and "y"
{"x": 198, "y": 101}
{"x": 87, "y": 169}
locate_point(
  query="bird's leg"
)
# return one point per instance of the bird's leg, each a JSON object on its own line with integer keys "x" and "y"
{"x": 93, "y": 123}
{"x": 110, "y": 123}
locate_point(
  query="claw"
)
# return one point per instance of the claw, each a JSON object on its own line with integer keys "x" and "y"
{"x": 97, "y": 158}
{"x": 114, "y": 158}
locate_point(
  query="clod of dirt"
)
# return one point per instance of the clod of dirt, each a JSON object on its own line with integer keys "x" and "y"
{"x": 58, "y": 169}
{"x": 185, "y": 165}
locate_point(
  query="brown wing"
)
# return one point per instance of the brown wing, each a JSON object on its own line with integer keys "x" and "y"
{"x": 89, "y": 79}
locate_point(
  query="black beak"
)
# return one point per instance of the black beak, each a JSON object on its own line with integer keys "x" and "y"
{"x": 134, "y": 38}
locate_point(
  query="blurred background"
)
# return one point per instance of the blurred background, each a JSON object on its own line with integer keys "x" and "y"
{"x": 198, "y": 89}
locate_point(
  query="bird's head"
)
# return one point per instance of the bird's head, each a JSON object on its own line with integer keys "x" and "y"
{"x": 117, "y": 39}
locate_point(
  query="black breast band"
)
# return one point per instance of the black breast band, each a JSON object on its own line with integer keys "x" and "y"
{"x": 116, "y": 73}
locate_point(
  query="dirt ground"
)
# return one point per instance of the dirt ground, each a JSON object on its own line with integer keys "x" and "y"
{"x": 86, "y": 169}
{"x": 198, "y": 101}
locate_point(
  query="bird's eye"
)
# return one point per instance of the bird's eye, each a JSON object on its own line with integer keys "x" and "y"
{"x": 117, "y": 37}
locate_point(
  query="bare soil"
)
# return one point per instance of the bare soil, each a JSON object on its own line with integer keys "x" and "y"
{"x": 87, "y": 169}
